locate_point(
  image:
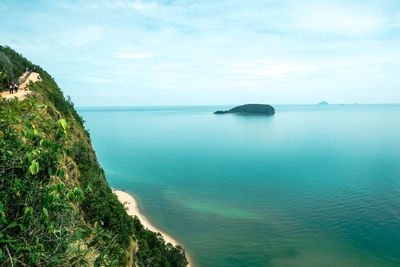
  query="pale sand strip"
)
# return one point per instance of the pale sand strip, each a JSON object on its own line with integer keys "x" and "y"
{"x": 130, "y": 202}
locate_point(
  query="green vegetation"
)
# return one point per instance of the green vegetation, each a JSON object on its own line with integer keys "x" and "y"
{"x": 3, "y": 76}
{"x": 256, "y": 109}
{"x": 154, "y": 252}
{"x": 39, "y": 220}
{"x": 56, "y": 207}
{"x": 13, "y": 64}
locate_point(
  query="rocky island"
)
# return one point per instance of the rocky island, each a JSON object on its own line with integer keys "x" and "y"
{"x": 250, "y": 109}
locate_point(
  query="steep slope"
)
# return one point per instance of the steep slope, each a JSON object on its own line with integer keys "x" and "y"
{"x": 56, "y": 207}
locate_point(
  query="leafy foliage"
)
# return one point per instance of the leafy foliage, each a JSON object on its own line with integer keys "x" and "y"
{"x": 36, "y": 214}
{"x": 46, "y": 218}
{"x": 154, "y": 252}
{"x": 39, "y": 223}
{"x": 101, "y": 205}
{"x": 2, "y": 76}
{"x": 51, "y": 93}
{"x": 12, "y": 64}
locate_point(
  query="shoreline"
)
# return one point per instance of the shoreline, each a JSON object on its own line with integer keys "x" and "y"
{"x": 133, "y": 210}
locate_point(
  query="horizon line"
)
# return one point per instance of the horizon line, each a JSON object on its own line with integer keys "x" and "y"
{"x": 213, "y": 105}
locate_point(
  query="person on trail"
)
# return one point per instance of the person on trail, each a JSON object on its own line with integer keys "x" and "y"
{"x": 11, "y": 88}
{"x": 16, "y": 86}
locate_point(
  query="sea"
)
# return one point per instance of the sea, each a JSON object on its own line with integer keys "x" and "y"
{"x": 313, "y": 185}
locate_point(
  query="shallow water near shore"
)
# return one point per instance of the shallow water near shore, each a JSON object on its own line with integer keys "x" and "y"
{"x": 311, "y": 186}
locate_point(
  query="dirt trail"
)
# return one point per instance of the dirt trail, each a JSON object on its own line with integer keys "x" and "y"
{"x": 23, "y": 91}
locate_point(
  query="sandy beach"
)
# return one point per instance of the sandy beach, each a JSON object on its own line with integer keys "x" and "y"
{"x": 130, "y": 202}
{"x": 133, "y": 210}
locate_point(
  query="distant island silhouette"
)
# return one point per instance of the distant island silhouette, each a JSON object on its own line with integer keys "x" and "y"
{"x": 250, "y": 109}
{"x": 323, "y": 103}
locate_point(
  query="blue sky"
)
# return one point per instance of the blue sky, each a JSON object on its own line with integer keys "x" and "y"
{"x": 130, "y": 52}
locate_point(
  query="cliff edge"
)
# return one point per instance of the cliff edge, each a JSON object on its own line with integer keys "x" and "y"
{"x": 56, "y": 206}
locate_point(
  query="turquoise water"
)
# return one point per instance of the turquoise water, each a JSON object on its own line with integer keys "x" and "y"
{"x": 310, "y": 186}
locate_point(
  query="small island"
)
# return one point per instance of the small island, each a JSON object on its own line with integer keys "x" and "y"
{"x": 323, "y": 103}
{"x": 250, "y": 109}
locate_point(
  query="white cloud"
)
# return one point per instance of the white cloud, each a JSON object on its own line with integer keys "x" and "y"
{"x": 108, "y": 4}
{"x": 267, "y": 68}
{"x": 94, "y": 79}
{"x": 327, "y": 18}
{"x": 179, "y": 45}
{"x": 3, "y": 7}
{"x": 135, "y": 55}
{"x": 83, "y": 36}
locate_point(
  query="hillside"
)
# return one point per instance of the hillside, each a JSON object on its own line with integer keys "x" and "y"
{"x": 56, "y": 207}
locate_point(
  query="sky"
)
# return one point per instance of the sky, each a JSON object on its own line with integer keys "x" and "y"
{"x": 211, "y": 52}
